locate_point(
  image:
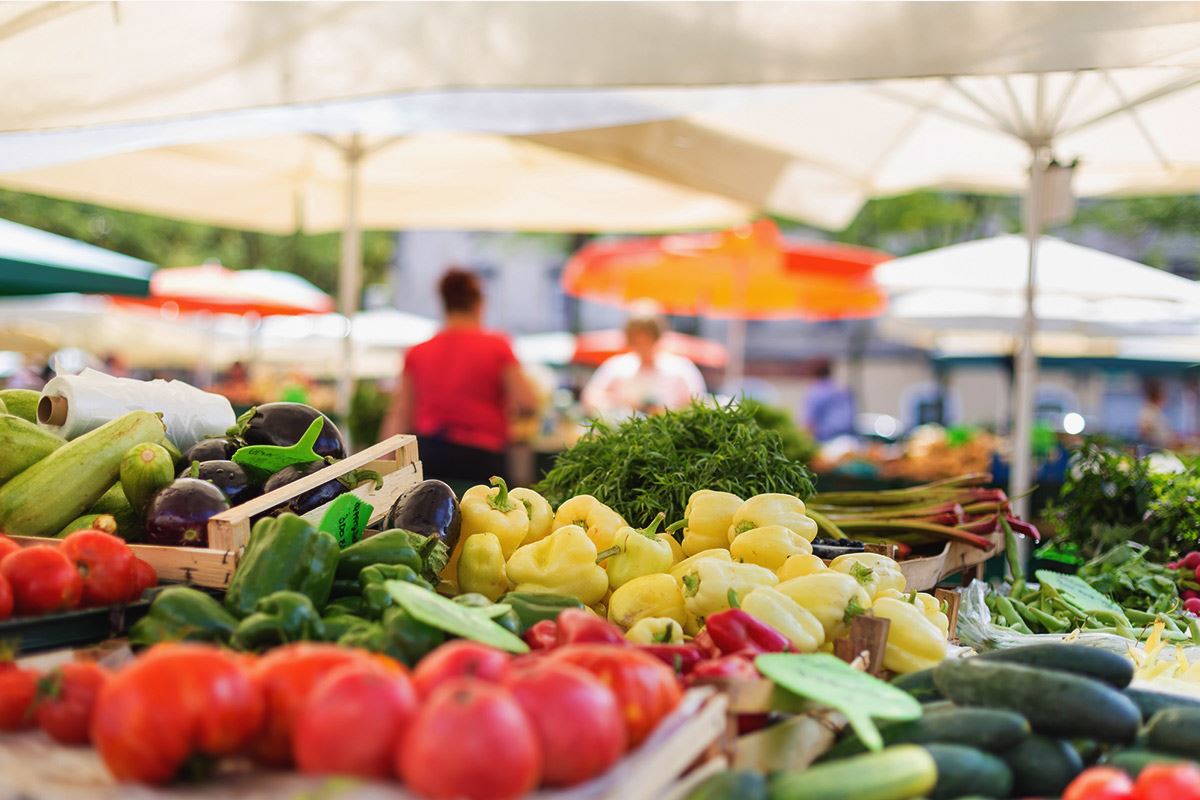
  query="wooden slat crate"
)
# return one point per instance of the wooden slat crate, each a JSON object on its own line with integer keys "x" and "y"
{"x": 395, "y": 460}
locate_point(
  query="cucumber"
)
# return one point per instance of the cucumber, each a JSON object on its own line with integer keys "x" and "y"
{"x": 743, "y": 784}
{"x": 60, "y": 487}
{"x": 988, "y": 729}
{"x": 145, "y": 469}
{"x": 1042, "y": 767}
{"x": 920, "y": 685}
{"x": 1133, "y": 760}
{"x": 1055, "y": 703}
{"x": 1150, "y": 703}
{"x": 21, "y": 402}
{"x": 89, "y": 522}
{"x": 1091, "y": 662}
{"x": 962, "y": 770}
{"x": 902, "y": 772}
{"x": 25, "y": 444}
{"x": 1175, "y": 730}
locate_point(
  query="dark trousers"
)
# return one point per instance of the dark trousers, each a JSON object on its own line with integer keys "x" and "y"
{"x": 459, "y": 465}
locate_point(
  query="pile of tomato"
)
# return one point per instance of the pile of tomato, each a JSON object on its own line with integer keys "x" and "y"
{"x": 89, "y": 568}
{"x": 468, "y": 722}
{"x": 1155, "y": 782}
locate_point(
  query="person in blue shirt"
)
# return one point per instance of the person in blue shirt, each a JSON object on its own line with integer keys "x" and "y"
{"x": 828, "y": 406}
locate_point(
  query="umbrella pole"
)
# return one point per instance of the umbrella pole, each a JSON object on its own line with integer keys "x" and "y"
{"x": 349, "y": 279}
{"x": 1026, "y": 363}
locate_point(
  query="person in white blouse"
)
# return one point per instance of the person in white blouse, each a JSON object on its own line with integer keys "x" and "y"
{"x": 644, "y": 380}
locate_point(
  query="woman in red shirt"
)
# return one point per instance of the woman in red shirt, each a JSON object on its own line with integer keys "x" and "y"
{"x": 458, "y": 390}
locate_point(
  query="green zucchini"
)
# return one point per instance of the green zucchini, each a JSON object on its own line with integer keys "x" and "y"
{"x": 1090, "y": 662}
{"x": 1175, "y": 730}
{"x": 145, "y": 468}
{"x": 114, "y": 503}
{"x": 742, "y": 784}
{"x": 1055, "y": 703}
{"x": 25, "y": 444}
{"x": 64, "y": 484}
{"x": 920, "y": 685}
{"x": 1133, "y": 760}
{"x": 1150, "y": 703}
{"x": 964, "y": 769}
{"x": 988, "y": 729}
{"x": 21, "y": 402}
{"x": 1042, "y": 767}
{"x": 901, "y": 772}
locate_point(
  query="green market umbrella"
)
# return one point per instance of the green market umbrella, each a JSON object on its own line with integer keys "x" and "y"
{"x": 33, "y": 261}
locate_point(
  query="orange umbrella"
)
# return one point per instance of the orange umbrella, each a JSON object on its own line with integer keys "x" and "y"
{"x": 596, "y": 347}
{"x": 745, "y": 273}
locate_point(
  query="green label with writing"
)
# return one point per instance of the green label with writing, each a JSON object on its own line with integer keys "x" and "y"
{"x": 346, "y": 518}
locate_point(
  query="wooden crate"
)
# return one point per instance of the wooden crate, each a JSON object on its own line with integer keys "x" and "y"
{"x": 395, "y": 460}
{"x": 922, "y": 574}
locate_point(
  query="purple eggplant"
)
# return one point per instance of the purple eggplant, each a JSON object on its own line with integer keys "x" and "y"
{"x": 178, "y": 513}
{"x": 218, "y": 448}
{"x": 305, "y": 501}
{"x": 282, "y": 425}
{"x": 233, "y": 481}
{"x": 431, "y": 509}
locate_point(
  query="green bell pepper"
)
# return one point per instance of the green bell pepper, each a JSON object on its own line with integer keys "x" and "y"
{"x": 533, "y": 607}
{"x": 282, "y": 617}
{"x": 339, "y": 623}
{"x": 371, "y": 580}
{"x": 183, "y": 614}
{"x": 355, "y": 606}
{"x": 399, "y": 635}
{"x": 284, "y": 553}
{"x": 344, "y": 587}
{"x": 508, "y": 620}
{"x": 425, "y": 555}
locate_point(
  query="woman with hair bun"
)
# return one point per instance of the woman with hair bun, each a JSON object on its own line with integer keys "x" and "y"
{"x": 458, "y": 390}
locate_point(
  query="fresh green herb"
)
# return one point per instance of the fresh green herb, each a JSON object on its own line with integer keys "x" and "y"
{"x": 648, "y": 465}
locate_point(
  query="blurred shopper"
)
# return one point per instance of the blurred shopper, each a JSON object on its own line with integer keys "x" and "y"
{"x": 828, "y": 406}
{"x": 459, "y": 390}
{"x": 644, "y": 380}
{"x": 1153, "y": 429}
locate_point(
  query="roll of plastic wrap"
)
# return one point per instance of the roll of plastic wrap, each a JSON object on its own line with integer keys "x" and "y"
{"x": 72, "y": 405}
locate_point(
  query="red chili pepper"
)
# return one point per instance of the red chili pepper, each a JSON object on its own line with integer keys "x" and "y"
{"x": 734, "y": 667}
{"x": 542, "y": 635}
{"x": 682, "y": 658}
{"x": 734, "y": 630}
{"x": 577, "y": 626}
{"x": 704, "y": 643}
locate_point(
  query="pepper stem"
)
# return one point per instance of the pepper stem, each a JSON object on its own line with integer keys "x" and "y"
{"x": 603, "y": 554}
{"x": 651, "y": 530}
{"x": 500, "y": 500}
{"x": 674, "y": 526}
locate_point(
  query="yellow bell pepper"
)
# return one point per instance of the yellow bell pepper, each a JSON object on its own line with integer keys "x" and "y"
{"x": 707, "y": 518}
{"x": 785, "y": 615}
{"x": 769, "y": 546}
{"x": 562, "y": 563}
{"x": 646, "y": 596}
{"x": 688, "y": 564}
{"x": 637, "y": 552}
{"x": 481, "y": 566}
{"x": 772, "y": 509}
{"x": 541, "y": 515}
{"x": 914, "y": 643}
{"x": 799, "y": 566}
{"x": 877, "y": 573}
{"x": 714, "y": 585}
{"x": 931, "y": 609}
{"x": 600, "y": 521}
{"x": 655, "y": 630}
{"x": 491, "y": 510}
{"x": 833, "y": 598}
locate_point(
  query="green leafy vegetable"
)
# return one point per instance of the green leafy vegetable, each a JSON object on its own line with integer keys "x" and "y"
{"x": 648, "y": 465}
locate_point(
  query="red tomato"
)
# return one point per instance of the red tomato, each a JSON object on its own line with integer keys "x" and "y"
{"x": 106, "y": 564}
{"x": 6, "y": 598}
{"x": 470, "y": 741}
{"x": 7, "y": 546}
{"x": 645, "y": 687}
{"x": 1100, "y": 783}
{"x": 353, "y": 722}
{"x": 18, "y": 689}
{"x": 43, "y": 580}
{"x": 459, "y": 659}
{"x": 174, "y": 702}
{"x": 66, "y": 698}
{"x": 1168, "y": 782}
{"x": 144, "y": 577}
{"x": 578, "y": 724}
{"x": 287, "y": 676}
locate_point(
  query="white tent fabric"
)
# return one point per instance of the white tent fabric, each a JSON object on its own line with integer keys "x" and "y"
{"x": 67, "y": 64}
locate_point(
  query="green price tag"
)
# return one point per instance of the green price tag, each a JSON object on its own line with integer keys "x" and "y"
{"x": 266, "y": 459}
{"x": 346, "y": 518}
